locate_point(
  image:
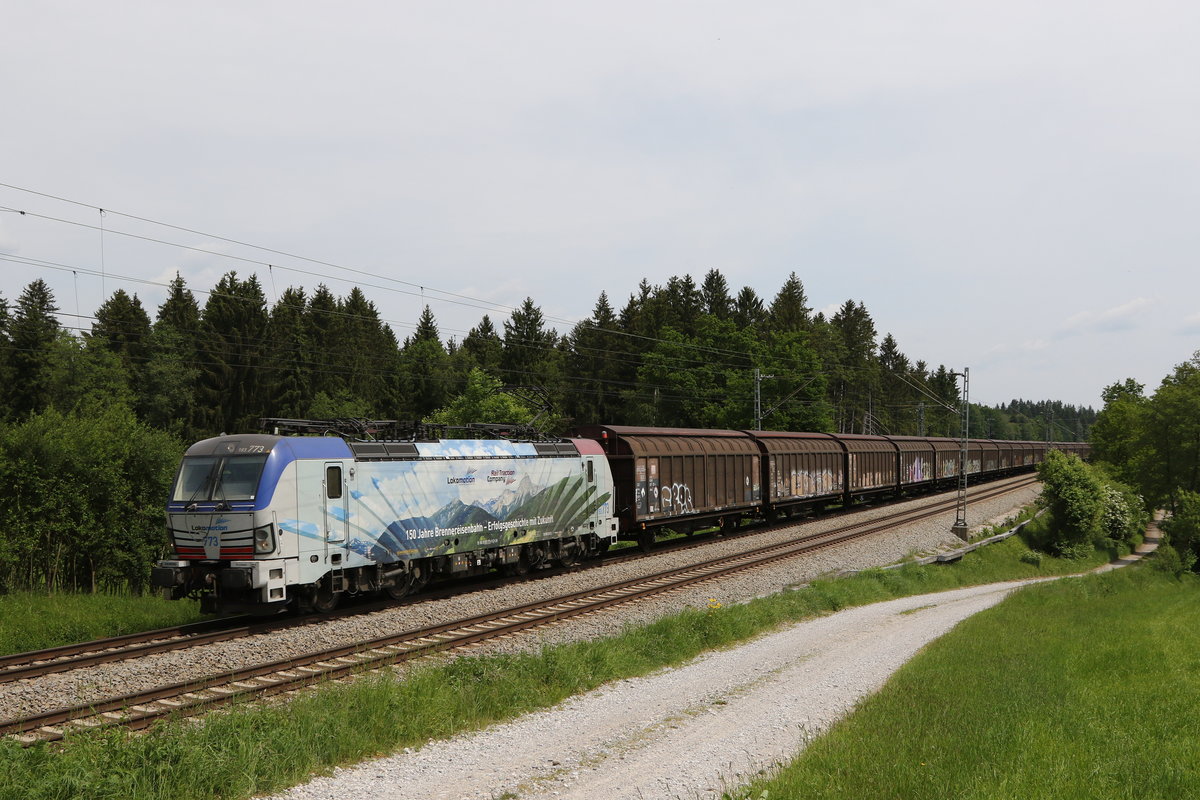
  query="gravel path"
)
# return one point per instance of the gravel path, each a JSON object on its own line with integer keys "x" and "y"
{"x": 95, "y": 683}
{"x": 687, "y": 732}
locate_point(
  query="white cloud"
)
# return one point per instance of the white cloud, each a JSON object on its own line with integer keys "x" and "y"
{"x": 8, "y": 241}
{"x": 1121, "y": 317}
{"x": 828, "y": 310}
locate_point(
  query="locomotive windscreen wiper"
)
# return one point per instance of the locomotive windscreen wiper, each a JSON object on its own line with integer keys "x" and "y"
{"x": 211, "y": 478}
{"x": 218, "y": 481}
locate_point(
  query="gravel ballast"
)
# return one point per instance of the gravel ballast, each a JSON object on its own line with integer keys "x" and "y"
{"x": 92, "y": 684}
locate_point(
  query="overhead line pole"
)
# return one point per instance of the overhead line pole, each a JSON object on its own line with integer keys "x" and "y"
{"x": 758, "y": 379}
{"x": 960, "y": 527}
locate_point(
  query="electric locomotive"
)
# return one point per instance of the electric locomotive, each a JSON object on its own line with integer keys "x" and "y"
{"x": 262, "y": 521}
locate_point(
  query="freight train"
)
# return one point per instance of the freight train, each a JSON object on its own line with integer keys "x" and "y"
{"x": 260, "y": 522}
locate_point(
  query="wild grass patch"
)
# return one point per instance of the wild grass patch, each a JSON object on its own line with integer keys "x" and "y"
{"x": 35, "y": 620}
{"x": 1085, "y": 687}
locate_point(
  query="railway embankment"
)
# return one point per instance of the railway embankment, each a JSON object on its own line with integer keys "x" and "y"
{"x": 256, "y": 749}
{"x": 98, "y": 683}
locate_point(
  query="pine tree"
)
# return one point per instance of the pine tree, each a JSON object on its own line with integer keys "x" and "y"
{"x": 714, "y": 294}
{"x": 530, "y": 355}
{"x": 180, "y": 309}
{"x": 427, "y": 329}
{"x": 365, "y": 349}
{"x": 942, "y": 414}
{"x": 234, "y": 325}
{"x": 856, "y": 387}
{"x": 483, "y": 348}
{"x": 592, "y": 354}
{"x": 322, "y": 319}
{"x": 32, "y": 332}
{"x": 897, "y": 411}
{"x": 166, "y": 396}
{"x": 681, "y": 305}
{"x": 287, "y": 343}
{"x": 425, "y": 368}
{"x": 789, "y": 310}
{"x": 748, "y": 309}
{"x": 122, "y": 326}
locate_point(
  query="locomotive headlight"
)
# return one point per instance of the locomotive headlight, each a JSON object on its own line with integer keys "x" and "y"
{"x": 264, "y": 539}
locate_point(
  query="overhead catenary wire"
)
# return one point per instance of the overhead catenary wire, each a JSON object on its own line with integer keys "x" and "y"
{"x": 209, "y": 293}
{"x": 732, "y": 359}
{"x": 256, "y": 262}
{"x": 458, "y": 299}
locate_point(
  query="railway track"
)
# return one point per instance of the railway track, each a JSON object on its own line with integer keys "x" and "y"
{"x": 140, "y": 710}
{"x": 21, "y": 666}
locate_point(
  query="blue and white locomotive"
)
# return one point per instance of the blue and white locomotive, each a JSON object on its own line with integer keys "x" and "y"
{"x": 260, "y": 521}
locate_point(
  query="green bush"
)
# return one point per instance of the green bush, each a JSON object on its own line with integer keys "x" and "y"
{"x": 1031, "y": 557}
{"x": 1074, "y": 495}
{"x": 1087, "y": 509}
{"x": 1166, "y": 559}
{"x": 1183, "y": 528}
{"x": 83, "y": 503}
{"x": 1117, "y": 514}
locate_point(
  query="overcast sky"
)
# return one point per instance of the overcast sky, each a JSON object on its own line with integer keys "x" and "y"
{"x": 1013, "y": 187}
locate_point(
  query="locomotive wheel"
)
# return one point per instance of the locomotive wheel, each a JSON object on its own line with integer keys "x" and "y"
{"x": 324, "y": 599}
{"x": 414, "y": 581}
{"x": 568, "y": 554}
{"x": 420, "y": 578}
{"x": 402, "y": 587}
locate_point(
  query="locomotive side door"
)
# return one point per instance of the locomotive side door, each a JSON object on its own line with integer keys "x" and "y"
{"x": 335, "y": 500}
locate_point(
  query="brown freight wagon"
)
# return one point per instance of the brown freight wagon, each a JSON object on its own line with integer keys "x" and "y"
{"x": 677, "y": 477}
{"x": 872, "y": 464}
{"x": 802, "y": 469}
{"x": 1004, "y": 454}
{"x": 918, "y": 461}
{"x": 946, "y": 455}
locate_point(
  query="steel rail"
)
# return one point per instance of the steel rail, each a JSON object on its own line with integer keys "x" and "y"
{"x": 20, "y": 666}
{"x": 139, "y": 710}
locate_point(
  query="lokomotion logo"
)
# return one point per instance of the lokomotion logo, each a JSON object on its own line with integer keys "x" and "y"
{"x": 461, "y": 480}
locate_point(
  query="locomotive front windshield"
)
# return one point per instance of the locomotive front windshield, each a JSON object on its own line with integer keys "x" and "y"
{"x": 204, "y": 478}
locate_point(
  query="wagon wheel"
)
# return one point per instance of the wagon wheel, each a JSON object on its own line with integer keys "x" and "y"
{"x": 645, "y": 541}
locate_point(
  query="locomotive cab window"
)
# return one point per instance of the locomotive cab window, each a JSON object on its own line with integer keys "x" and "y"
{"x": 333, "y": 482}
{"x": 216, "y": 478}
{"x": 591, "y": 471}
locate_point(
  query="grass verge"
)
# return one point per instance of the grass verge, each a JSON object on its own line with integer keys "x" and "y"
{"x": 259, "y": 749}
{"x": 1082, "y": 688}
{"x": 35, "y": 621}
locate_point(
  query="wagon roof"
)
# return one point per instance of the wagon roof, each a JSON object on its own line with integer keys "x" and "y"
{"x": 645, "y": 441}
